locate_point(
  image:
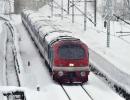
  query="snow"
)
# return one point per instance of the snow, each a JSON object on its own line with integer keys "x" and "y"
{"x": 42, "y": 78}
{"x": 95, "y": 37}
{"x": 37, "y": 74}
{"x": 99, "y": 90}
{"x": 3, "y": 39}
{"x": 10, "y": 69}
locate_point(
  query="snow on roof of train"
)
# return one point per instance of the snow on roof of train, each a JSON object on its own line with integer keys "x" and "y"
{"x": 39, "y": 20}
{"x": 56, "y": 35}
{"x": 48, "y": 28}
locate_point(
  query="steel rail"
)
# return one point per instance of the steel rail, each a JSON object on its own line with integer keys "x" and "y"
{"x": 65, "y": 92}
{"x": 11, "y": 31}
{"x": 87, "y": 92}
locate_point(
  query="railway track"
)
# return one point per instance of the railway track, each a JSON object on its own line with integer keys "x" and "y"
{"x": 11, "y": 72}
{"x": 76, "y": 92}
{"x": 119, "y": 89}
{"x": 72, "y": 92}
{"x": 9, "y": 57}
{"x": 83, "y": 92}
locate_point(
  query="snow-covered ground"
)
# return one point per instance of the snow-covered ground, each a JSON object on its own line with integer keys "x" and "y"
{"x": 96, "y": 39}
{"x": 10, "y": 63}
{"x": 117, "y": 55}
{"x": 3, "y": 39}
{"x": 37, "y": 74}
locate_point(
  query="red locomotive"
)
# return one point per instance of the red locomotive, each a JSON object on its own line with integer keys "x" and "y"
{"x": 67, "y": 56}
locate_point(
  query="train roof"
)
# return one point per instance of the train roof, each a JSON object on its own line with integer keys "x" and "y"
{"x": 49, "y": 29}
{"x": 41, "y": 24}
{"x": 53, "y": 36}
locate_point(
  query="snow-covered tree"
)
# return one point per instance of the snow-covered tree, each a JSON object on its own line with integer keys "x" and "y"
{"x": 119, "y": 7}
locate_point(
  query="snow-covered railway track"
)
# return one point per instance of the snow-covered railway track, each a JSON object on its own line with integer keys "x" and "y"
{"x": 69, "y": 98}
{"x": 87, "y": 92}
{"x": 36, "y": 74}
{"x": 76, "y": 92}
{"x": 11, "y": 72}
{"x": 3, "y": 40}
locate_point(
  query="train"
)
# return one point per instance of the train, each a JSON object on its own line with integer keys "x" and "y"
{"x": 65, "y": 54}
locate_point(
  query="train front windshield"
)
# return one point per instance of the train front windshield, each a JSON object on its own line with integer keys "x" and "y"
{"x": 71, "y": 51}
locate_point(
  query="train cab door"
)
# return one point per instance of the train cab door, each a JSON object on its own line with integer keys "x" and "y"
{"x": 50, "y": 56}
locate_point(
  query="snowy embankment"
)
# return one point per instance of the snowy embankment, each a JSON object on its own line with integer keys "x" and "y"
{"x": 16, "y": 52}
{"x": 3, "y": 40}
{"x": 4, "y": 78}
{"x": 95, "y": 37}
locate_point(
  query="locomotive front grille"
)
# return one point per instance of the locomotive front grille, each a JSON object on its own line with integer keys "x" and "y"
{"x": 71, "y": 75}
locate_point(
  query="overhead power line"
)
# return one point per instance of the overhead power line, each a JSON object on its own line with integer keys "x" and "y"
{"x": 118, "y": 17}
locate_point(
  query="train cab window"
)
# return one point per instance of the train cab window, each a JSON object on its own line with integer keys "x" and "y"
{"x": 71, "y": 51}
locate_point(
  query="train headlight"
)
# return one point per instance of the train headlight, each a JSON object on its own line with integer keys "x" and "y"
{"x": 60, "y": 73}
{"x": 71, "y": 65}
{"x": 82, "y": 73}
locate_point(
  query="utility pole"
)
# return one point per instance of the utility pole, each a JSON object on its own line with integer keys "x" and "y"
{"x": 68, "y": 7}
{"x": 85, "y": 14}
{"x": 72, "y": 11}
{"x": 62, "y": 7}
{"x": 108, "y": 17}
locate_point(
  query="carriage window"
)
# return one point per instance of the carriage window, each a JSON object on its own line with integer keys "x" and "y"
{"x": 71, "y": 51}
